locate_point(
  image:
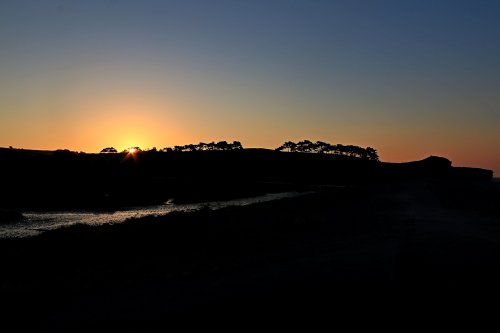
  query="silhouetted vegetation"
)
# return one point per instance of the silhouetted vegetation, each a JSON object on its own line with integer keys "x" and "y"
{"x": 108, "y": 150}
{"x": 202, "y": 146}
{"x": 370, "y": 230}
{"x": 133, "y": 150}
{"x": 321, "y": 147}
{"x": 63, "y": 179}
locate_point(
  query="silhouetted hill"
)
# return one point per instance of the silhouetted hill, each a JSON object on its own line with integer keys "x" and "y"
{"x": 64, "y": 179}
{"x": 392, "y": 239}
{"x": 435, "y": 167}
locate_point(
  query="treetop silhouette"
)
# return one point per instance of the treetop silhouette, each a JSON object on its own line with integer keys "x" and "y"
{"x": 321, "y": 147}
{"x": 109, "y": 150}
{"x": 202, "y": 146}
{"x": 304, "y": 146}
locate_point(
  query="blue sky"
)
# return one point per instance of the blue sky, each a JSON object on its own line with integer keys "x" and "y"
{"x": 411, "y": 78}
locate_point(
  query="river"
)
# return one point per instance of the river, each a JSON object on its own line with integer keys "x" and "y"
{"x": 35, "y": 223}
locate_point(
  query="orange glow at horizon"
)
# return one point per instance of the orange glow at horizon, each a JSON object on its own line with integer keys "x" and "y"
{"x": 130, "y": 118}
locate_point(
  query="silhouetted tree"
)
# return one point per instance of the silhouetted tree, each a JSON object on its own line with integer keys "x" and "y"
{"x": 291, "y": 146}
{"x": 133, "y": 149}
{"x": 236, "y": 145}
{"x": 202, "y": 146}
{"x": 222, "y": 145}
{"x": 108, "y": 150}
{"x": 321, "y": 147}
{"x": 303, "y": 146}
{"x": 306, "y": 146}
{"x": 372, "y": 154}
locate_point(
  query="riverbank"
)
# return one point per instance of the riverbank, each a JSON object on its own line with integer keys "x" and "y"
{"x": 34, "y": 223}
{"x": 341, "y": 251}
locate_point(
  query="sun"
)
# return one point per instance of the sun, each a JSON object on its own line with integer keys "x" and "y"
{"x": 132, "y": 153}
{"x": 133, "y": 150}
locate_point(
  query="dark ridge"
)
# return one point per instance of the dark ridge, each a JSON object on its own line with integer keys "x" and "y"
{"x": 392, "y": 239}
{"x": 41, "y": 180}
{"x": 472, "y": 174}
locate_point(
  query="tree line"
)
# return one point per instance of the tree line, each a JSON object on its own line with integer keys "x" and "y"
{"x": 321, "y": 147}
{"x": 202, "y": 146}
{"x": 304, "y": 146}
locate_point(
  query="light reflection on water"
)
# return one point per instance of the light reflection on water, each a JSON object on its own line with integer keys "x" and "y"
{"x": 36, "y": 223}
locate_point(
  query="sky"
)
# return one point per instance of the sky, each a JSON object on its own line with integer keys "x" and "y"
{"x": 411, "y": 78}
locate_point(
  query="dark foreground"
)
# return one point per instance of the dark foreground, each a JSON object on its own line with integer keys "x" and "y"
{"x": 385, "y": 250}
{"x": 64, "y": 180}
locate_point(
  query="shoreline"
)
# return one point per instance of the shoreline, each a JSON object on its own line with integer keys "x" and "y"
{"x": 35, "y": 222}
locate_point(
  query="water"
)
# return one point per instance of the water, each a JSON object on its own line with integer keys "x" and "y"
{"x": 36, "y": 223}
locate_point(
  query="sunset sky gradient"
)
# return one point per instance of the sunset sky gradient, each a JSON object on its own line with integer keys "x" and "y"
{"x": 411, "y": 78}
